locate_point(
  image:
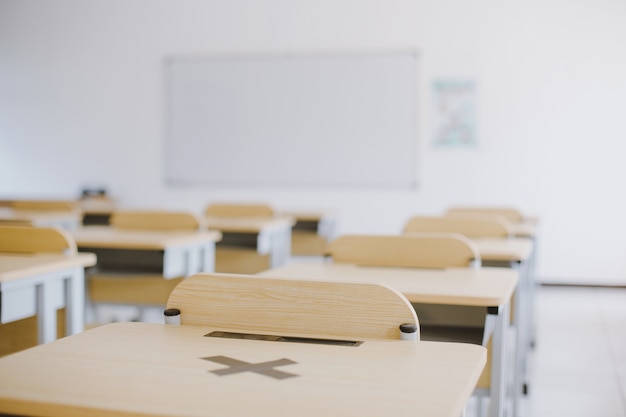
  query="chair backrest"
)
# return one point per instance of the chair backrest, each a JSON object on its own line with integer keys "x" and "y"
{"x": 419, "y": 250}
{"x": 511, "y": 214}
{"x": 48, "y": 205}
{"x": 467, "y": 226}
{"x": 319, "y": 309}
{"x": 239, "y": 210}
{"x": 155, "y": 220}
{"x": 25, "y": 239}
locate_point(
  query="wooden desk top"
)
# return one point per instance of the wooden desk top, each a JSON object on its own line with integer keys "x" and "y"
{"x": 16, "y": 266}
{"x": 517, "y": 249}
{"x": 28, "y": 217}
{"x": 249, "y": 224}
{"x": 524, "y": 229}
{"x": 486, "y": 287}
{"x": 109, "y": 237}
{"x": 141, "y": 369}
{"x": 307, "y": 215}
{"x": 90, "y": 206}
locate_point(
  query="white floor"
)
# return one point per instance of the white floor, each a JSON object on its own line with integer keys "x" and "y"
{"x": 578, "y": 366}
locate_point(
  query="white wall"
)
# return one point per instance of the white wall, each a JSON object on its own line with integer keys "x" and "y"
{"x": 81, "y": 103}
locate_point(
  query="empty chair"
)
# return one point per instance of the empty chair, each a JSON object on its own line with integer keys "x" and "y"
{"x": 155, "y": 220}
{"x": 24, "y": 239}
{"x": 238, "y": 210}
{"x": 511, "y": 214}
{"x": 423, "y": 250}
{"x": 471, "y": 227}
{"x": 296, "y": 308}
{"x": 47, "y": 205}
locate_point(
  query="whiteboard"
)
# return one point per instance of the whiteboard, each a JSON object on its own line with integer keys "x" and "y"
{"x": 346, "y": 119}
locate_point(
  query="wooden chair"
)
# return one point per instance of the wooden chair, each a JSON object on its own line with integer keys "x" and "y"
{"x": 423, "y": 250}
{"x": 22, "y": 334}
{"x": 467, "y": 226}
{"x": 295, "y": 308}
{"x": 47, "y": 205}
{"x": 511, "y": 214}
{"x": 239, "y": 210}
{"x": 134, "y": 288}
{"x": 155, "y": 220}
{"x": 26, "y": 239}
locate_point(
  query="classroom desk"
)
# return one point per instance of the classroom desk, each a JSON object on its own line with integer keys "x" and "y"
{"x": 251, "y": 244}
{"x": 311, "y": 232}
{"x": 491, "y": 288}
{"x": 68, "y": 220}
{"x": 97, "y": 210}
{"x": 131, "y": 263}
{"x": 171, "y": 253}
{"x": 147, "y": 369}
{"x": 516, "y": 253}
{"x": 39, "y": 284}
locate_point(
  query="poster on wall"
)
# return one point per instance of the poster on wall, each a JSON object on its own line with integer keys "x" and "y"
{"x": 454, "y": 115}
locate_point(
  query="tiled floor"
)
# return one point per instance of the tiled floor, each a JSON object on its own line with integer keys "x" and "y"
{"x": 578, "y": 366}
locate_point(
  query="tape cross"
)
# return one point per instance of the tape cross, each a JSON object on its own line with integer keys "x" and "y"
{"x": 264, "y": 368}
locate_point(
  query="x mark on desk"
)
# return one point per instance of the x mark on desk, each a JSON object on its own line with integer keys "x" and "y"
{"x": 263, "y": 368}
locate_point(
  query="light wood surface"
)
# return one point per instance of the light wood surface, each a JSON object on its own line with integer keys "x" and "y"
{"x": 282, "y": 306}
{"x": 308, "y": 244}
{"x": 510, "y": 213}
{"x": 238, "y": 210}
{"x": 140, "y": 369}
{"x": 20, "y": 217}
{"x": 479, "y": 287}
{"x": 241, "y": 261}
{"x": 19, "y": 266}
{"x": 469, "y": 227}
{"x": 454, "y": 286}
{"x": 136, "y": 289}
{"x": 47, "y": 205}
{"x": 518, "y": 224}
{"x": 97, "y": 205}
{"x": 155, "y": 220}
{"x": 418, "y": 250}
{"x": 516, "y": 249}
{"x": 24, "y": 239}
{"x": 248, "y": 224}
{"x": 525, "y": 229}
{"x": 312, "y": 231}
{"x": 108, "y": 237}
{"x": 22, "y": 334}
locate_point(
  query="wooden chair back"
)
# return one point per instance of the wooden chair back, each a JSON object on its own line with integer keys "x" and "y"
{"x": 155, "y": 220}
{"x": 26, "y": 239}
{"x": 511, "y": 214}
{"x": 318, "y": 309}
{"x": 467, "y": 226}
{"x": 419, "y": 250}
{"x": 238, "y": 210}
{"x": 47, "y": 205}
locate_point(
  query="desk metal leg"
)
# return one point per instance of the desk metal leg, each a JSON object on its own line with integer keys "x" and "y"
{"x": 497, "y": 397}
{"x": 46, "y": 313}
{"x": 75, "y": 302}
